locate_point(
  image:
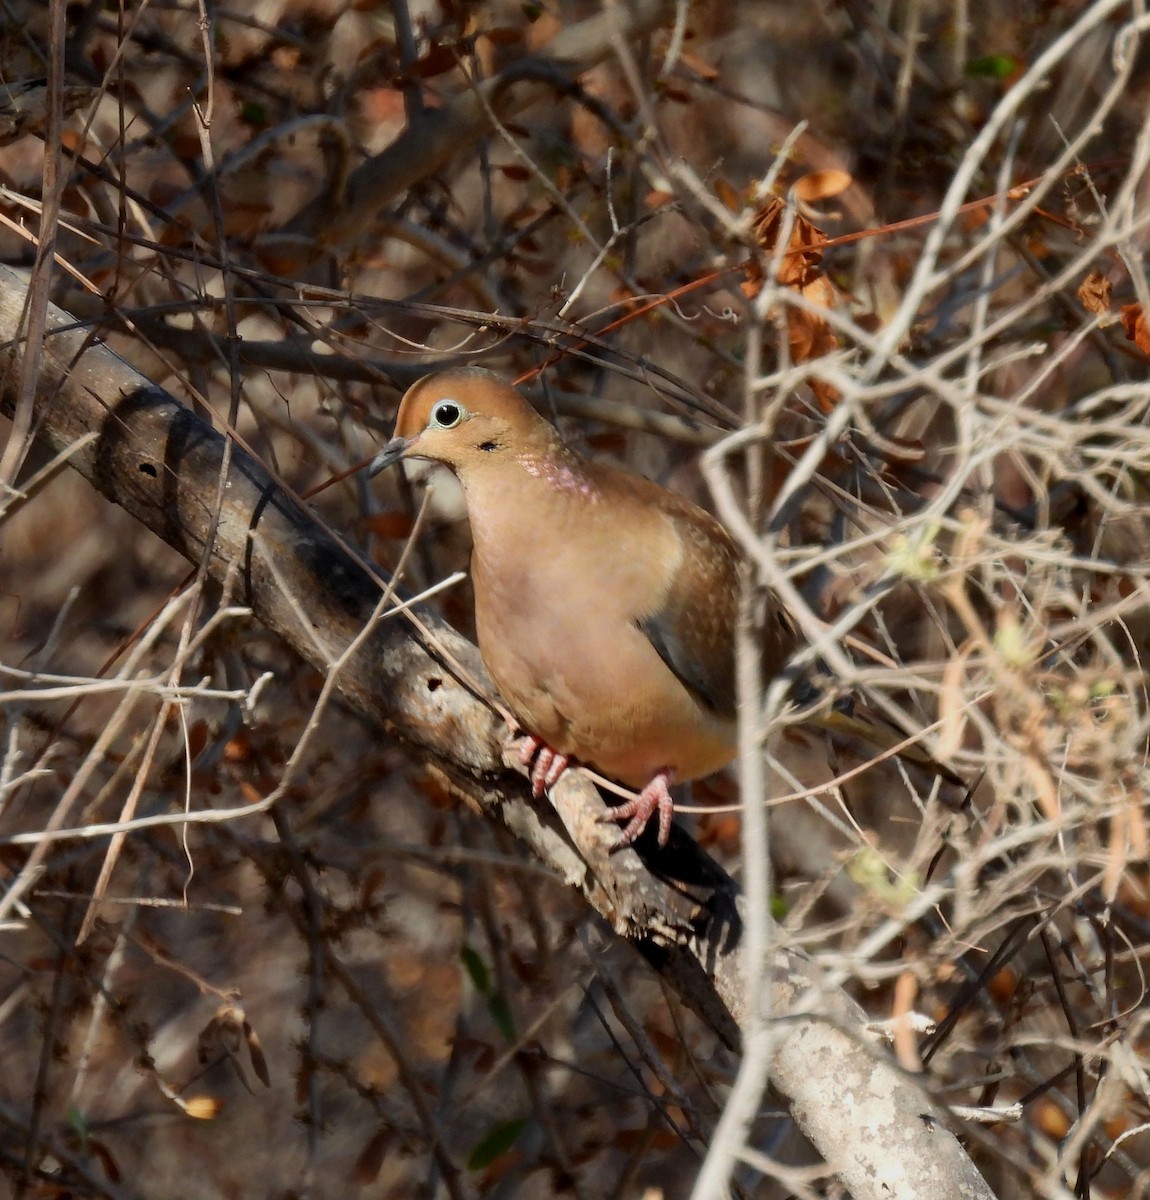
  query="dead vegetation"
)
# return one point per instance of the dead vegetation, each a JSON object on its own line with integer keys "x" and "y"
{"x": 908, "y": 335}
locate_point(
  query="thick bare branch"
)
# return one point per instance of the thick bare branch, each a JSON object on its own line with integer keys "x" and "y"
{"x": 219, "y": 507}
{"x": 439, "y": 135}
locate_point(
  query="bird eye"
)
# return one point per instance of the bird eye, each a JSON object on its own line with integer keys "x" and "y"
{"x": 446, "y": 414}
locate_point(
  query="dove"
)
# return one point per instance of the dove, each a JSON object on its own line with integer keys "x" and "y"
{"x": 605, "y": 604}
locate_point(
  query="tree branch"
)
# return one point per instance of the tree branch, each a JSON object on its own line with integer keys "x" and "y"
{"x": 873, "y": 1124}
{"x": 427, "y": 145}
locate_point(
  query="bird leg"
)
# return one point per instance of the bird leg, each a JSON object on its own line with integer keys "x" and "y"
{"x": 547, "y": 764}
{"x": 655, "y": 797}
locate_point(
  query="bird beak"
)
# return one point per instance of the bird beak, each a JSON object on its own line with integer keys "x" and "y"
{"x": 389, "y": 455}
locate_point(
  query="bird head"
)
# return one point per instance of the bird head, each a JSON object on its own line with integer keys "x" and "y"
{"x": 462, "y": 417}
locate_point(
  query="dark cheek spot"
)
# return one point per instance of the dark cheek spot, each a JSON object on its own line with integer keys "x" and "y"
{"x": 488, "y": 446}
{"x": 433, "y": 684}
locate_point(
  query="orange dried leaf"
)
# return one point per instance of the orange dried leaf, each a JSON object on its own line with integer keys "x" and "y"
{"x": 203, "y": 1108}
{"x": 287, "y": 58}
{"x": 197, "y": 738}
{"x": 728, "y": 195}
{"x": 1117, "y": 1124}
{"x": 239, "y": 748}
{"x": 804, "y": 247}
{"x": 800, "y": 269}
{"x": 542, "y": 30}
{"x": 1003, "y": 985}
{"x": 1094, "y": 292}
{"x": 1052, "y": 1120}
{"x": 504, "y": 35}
{"x": 1134, "y": 326}
{"x": 646, "y": 1139}
{"x": 822, "y": 185}
{"x": 719, "y": 829}
{"x": 390, "y": 524}
{"x": 699, "y": 65}
{"x": 905, "y": 1038}
{"x": 826, "y": 395}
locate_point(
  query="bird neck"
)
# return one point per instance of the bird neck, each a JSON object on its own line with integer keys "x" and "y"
{"x": 556, "y": 469}
{"x": 523, "y": 484}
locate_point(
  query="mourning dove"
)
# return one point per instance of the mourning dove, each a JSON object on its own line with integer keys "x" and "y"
{"x": 605, "y": 605}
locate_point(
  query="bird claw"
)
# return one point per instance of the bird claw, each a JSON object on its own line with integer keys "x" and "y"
{"x": 546, "y": 763}
{"x": 655, "y": 797}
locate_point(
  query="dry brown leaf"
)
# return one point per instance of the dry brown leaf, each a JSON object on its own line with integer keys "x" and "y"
{"x": 1003, "y": 985}
{"x": 504, "y": 35}
{"x": 1050, "y": 1118}
{"x": 1128, "y": 840}
{"x": 542, "y": 31}
{"x": 370, "y": 1161}
{"x": 203, "y": 1108}
{"x": 1134, "y": 326}
{"x": 951, "y": 709}
{"x": 392, "y": 523}
{"x": 1094, "y": 292}
{"x": 904, "y": 1036}
{"x": 728, "y": 195}
{"x": 800, "y": 269}
{"x": 437, "y": 61}
{"x": 256, "y": 1054}
{"x": 822, "y": 185}
{"x": 700, "y": 66}
{"x": 800, "y": 265}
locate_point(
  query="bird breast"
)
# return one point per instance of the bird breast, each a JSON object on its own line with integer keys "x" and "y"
{"x": 561, "y": 584}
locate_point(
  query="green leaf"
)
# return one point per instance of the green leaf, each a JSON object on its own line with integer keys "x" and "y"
{"x": 476, "y": 970}
{"x": 993, "y": 66}
{"x": 501, "y": 1015}
{"x": 79, "y": 1123}
{"x": 254, "y": 113}
{"x": 497, "y": 1142}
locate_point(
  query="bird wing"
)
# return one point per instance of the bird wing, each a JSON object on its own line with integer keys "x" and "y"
{"x": 693, "y": 628}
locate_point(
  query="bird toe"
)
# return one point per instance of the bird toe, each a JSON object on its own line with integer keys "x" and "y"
{"x": 654, "y": 798}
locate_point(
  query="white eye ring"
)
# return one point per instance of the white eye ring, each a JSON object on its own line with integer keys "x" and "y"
{"x": 446, "y": 414}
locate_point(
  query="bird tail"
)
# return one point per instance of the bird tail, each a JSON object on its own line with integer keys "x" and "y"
{"x": 852, "y": 725}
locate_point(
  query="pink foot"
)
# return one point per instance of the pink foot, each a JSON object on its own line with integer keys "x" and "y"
{"x": 547, "y": 764}
{"x": 655, "y": 797}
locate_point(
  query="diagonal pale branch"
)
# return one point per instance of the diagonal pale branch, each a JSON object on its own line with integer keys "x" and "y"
{"x": 167, "y": 467}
